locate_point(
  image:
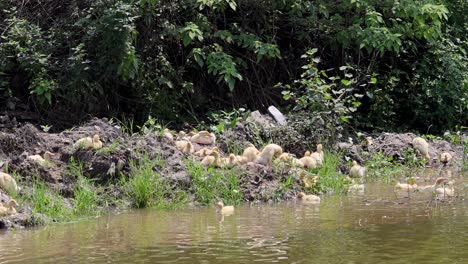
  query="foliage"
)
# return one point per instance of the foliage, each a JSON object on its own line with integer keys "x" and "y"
{"x": 146, "y": 188}
{"x": 85, "y": 197}
{"x": 381, "y": 167}
{"x": 45, "y": 201}
{"x": 329, "y": 177}
{"x": 213, "y": 185}
{"x": 382, "y": 64}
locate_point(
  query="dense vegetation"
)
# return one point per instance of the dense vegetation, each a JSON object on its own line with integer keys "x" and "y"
{"x": 376, "y": 64}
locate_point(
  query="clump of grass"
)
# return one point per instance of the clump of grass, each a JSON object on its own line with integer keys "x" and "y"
{"x": 381, "y": 167}
{"x": 85, "y": 199}
{"x": 111, "y": 149}
{"x": 47, "y": 202}
{"x": 329, "y": 177}
{"x": 146, "y": 188}
{"x": 214, "y": 184}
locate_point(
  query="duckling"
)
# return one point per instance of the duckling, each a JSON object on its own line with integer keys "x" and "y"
{"x": 251, "y": 153}
{"x": 7, "y": 183}
{"x": 446, "y": 191}
{"x": 168, "y": 135}
{"x": 241, "y": 160}
{"x": 224, "y": 209}
{"x": 285, "y": 157}
{"x": 212, "y": 161}
{"x": 204, "y": 138}
{"x": 10, "y": 210}
{"x": 445, "y": 158}
{"x": 43, "y": 161}
{"x": 406, "y": 186}
{"x": 433, "y": 187}
{"x": 357, "y": 171}
{"x": 230, "y": 161}
{"x": 422, "y": 146}
{"x": 356, "y": 188}
{"x": 276, "y": 149}
{"x": 309, "y": 197}
{"x": 202, "y": 152}
{"x": 318, "y": 155}
{"x": 185, "y": 146}
{"x": 308, "y": 162}
{"x": 309, "y": 180}
{"x": 88, "y": 143}
{"x": 297, "y": 163}
{"x": 265, "y": 157}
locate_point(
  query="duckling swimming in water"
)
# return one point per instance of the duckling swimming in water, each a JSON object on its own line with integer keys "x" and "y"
{"x": 224, "y": 209}
{"x": 309, "y": 197}
{"x": 406, "y": 186}
{"x": 7, "y": 183}
{"x": 357, "y": 171}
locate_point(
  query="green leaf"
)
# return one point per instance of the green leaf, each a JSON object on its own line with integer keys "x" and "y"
{"x": 345, "y": 82}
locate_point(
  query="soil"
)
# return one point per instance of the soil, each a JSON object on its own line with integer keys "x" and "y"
{"x": 258, "y": 183}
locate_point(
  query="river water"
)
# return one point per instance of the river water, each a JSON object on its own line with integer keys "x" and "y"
{"x": 374, "y": 227}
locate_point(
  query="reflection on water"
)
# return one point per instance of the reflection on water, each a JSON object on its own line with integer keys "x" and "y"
{"x": 374, "y": 227}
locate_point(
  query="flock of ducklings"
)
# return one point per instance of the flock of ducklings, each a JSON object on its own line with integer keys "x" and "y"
{"x": 443, "y": 186}
{"x": 9, "y": 185}
{"x": 211, "y": 157}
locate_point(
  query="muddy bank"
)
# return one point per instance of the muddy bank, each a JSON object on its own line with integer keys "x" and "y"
{"x": 257, "y": 183}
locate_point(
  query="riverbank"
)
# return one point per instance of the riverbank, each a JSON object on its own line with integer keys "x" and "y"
{"x": 147, "y": 170}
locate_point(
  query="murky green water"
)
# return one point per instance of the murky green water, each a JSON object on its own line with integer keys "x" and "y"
{"x": 360, "y": 228}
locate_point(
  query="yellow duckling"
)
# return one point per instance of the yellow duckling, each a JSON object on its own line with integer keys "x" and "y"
{"x": 7, "y": 183}
{"x": 318, "y": 155}
{"x": 285, "y": 157}
{"x": 185, "y": 146}
{"x": 10, "y": 210}
{"x": 265, "y": 157}
{"x": 241, "y": 160}
{"x": 406, "y": 186}
{"x": 251, "y": 153}
{"x": 308, "y": 162}
{"x": 89, "y": 143}
{"x": 309, "y": 180}
{"x": 276, "y": 149}
{"x": 168, "y": 134}
{"x": 422, "y": 146}
{"x": 445, "y": 158}
{"x": 230, "y": 161}
{"x": 43, "y": 161}
{"x": 309, "y": 197}
{"x": 204, "y": 138}
{"x": 446, "y": 191}
{"x": 224, "y": 209}
{"x": 212, "y": 161}
{"x": 206, "y": 152}
{"x": 357, "y": 171}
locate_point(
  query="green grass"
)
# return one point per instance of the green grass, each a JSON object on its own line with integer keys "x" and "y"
{"x": 381, "y": 167}
{"x": 211, "y": 185}
{"x": 111, "y": 149}
{"x": 146, "y": 188}
{"x": 85, "y": 198}
{"x": 329, "y": 177}
{"x": 45, "y": 201}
